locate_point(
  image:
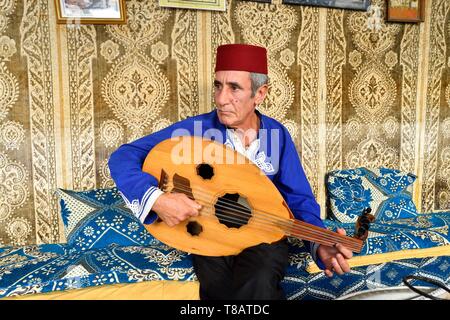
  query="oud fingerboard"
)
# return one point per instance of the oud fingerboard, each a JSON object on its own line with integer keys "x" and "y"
{"x": 323, "y": 236}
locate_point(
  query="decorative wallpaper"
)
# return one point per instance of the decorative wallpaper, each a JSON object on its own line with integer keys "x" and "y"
{"x": 352, "y": 89}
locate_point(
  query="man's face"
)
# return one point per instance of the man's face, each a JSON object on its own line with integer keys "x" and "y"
{"x": 233, "y": 97}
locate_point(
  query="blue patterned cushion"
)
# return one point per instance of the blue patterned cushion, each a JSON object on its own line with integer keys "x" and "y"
{"x": 386, "y": 191}
{"x": 57, "y": 267}
{"x": 98, "y": 218}
{"x": 428, "y": 230}
{"x": 301, "y": 285}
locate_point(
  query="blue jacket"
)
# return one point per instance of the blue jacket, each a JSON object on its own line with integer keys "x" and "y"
{"x": 277, "y": 157}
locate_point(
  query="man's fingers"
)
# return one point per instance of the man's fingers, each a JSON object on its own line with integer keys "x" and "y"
{"x": 342, "y": 249}
{"x": 197, "y": 206}
{"x": 176, "y": 207}
{"x": 170, "y": 222}
{"x": 337, "y": 268}
{"x": 336, "y": 257}
{"x": 195, "y": 209}
{"x": 190, "y": 201}
{"x": 347, "y": 253}
{"x": 342, "y": 263}
{"x": 194, "y": 205}
{"x": 328, "y": 273}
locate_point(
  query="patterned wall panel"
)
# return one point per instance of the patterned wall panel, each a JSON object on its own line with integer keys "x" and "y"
{"x": 371, "y": 80}
{"x": 435, "y": 169}
{"x": 38, "y": 50}
{"x": 15, "y": 166}
{"x": 442, "y": 195}
{"x": 352, "y": 89}
{"x": 28, "y": 91}
{"x": 290, "y": 35}
{"x": 136, "y": 94}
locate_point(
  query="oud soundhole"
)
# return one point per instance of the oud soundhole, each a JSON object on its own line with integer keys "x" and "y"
{"x": 232, "y": 210}
{"x": 194, "y": 228}
{"x": 205, "y": 171}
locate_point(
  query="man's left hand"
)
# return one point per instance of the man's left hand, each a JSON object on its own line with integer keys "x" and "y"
{"x": 335, "y": 258}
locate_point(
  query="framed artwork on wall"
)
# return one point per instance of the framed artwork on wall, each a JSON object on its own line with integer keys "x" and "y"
{"x": 214, "y": 5}
{"x": 90, "y": 11}
{"x": 260, "y": 1}
{"x": 405, "y": 10}
{"x": 338, "y": 4}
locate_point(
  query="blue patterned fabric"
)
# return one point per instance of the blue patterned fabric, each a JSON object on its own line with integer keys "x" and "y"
{"x": 98, "y": 218}
{"x": 56, "y": 267}
{"x": 301, "y": 285}
{"x": 108, "y": 245}
{"x": 423, "y": 231}
{"x": 386, "y": 191}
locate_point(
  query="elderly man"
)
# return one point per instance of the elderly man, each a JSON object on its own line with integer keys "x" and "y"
{"x": 241, "y": 84}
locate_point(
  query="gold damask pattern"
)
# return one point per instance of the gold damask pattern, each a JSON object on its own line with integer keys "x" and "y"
{"x": 135, "y": 89}
{"x": 275, "y": 36}
{"x": 8, "y": 90}
{"x": 410, "y": 62}
{"x": 438, "y": 55}
{"x": 351, "y": 89}
{"x": 336, "y": 59}
{"x": 371, "y": 92}
{"x": 442, "y": 198}
{"x": 13, "y": 194}
{"x": 37, "y": 45}
{"x": 14, "y": 176}
{"x": 81, "y": 51}
{"x": 13, "y": 187}
{"x": 308, "y": 59}
{"x": 184, "y": 38}
{"x": 221, "y": 30}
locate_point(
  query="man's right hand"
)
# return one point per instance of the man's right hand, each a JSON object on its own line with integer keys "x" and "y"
{"x": 172, "y": 208}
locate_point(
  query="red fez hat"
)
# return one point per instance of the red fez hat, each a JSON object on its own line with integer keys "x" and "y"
{"x": 241, "y": 57}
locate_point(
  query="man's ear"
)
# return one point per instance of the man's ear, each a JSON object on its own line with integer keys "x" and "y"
{"x": 261, "y": 93}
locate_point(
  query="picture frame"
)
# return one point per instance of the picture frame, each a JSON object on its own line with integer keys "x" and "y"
{"x": 361, "y": 5}
{"x": 405, "y": 10}
{"x": 212, "y": 5}
{"x": 260, "y": 1}
{"x": 90, "y": 11}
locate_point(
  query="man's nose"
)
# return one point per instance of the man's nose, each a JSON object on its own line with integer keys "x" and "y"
{"x": 222, "y": 96}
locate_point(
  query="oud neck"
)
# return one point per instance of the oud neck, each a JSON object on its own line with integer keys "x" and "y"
{"x": 309, "y": 232}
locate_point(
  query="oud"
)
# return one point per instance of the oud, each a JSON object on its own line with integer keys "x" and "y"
{"x": 241, "y": 207}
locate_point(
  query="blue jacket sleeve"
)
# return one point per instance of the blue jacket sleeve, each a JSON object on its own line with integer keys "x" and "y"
{"x": 138, "y": 189}
{"x": 293, "y": 184}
